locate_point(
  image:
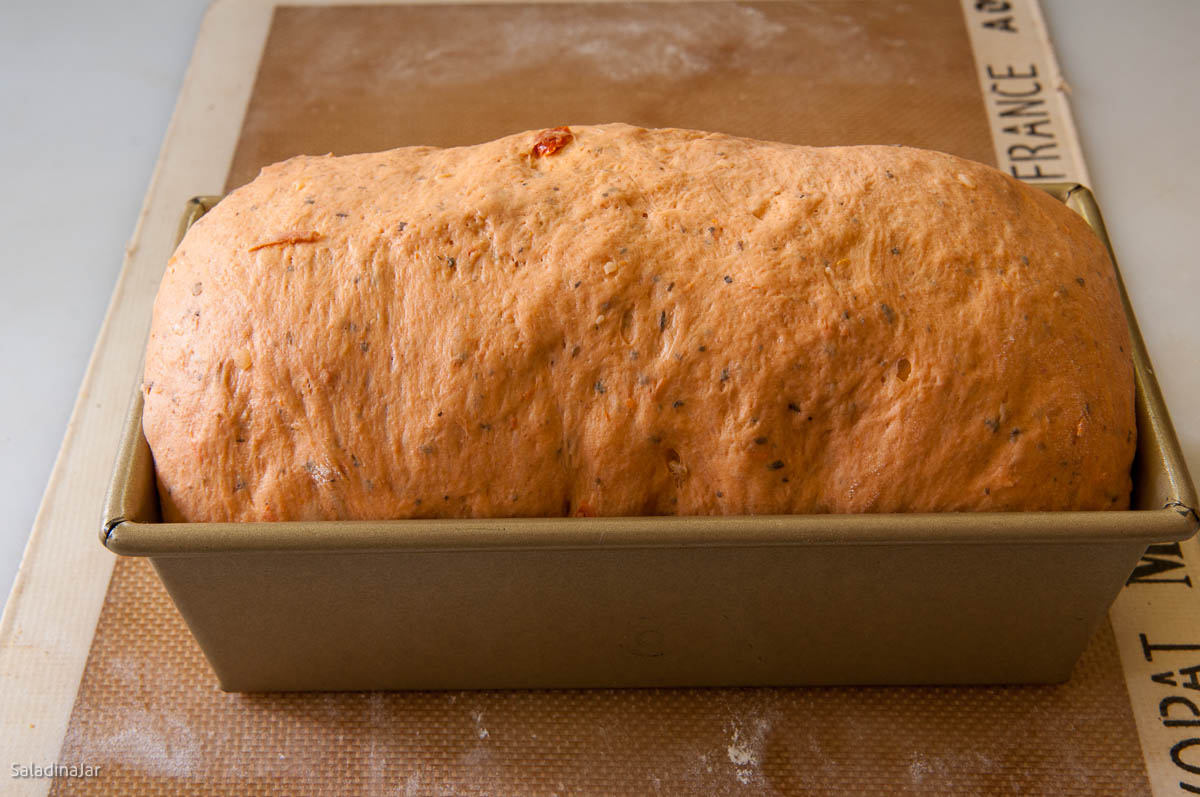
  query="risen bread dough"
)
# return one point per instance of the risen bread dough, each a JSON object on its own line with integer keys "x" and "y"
{"x": 636, "y": 321}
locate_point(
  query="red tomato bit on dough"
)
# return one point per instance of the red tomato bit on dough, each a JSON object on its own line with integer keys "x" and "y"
{"x": 551, "y": 141}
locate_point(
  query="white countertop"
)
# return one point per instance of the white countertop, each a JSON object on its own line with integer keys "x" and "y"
{"x": 93, "y": 86}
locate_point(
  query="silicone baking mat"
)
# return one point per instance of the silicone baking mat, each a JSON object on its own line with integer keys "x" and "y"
{"x": 975, "y": 79}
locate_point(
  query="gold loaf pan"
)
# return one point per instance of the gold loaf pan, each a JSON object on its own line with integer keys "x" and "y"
{"x": 656, "y": 601}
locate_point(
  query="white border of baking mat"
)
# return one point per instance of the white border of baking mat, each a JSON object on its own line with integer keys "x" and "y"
{"x": 1156, "y": 618}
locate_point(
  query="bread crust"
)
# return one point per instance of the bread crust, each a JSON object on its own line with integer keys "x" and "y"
{"x": 640, "y": 322}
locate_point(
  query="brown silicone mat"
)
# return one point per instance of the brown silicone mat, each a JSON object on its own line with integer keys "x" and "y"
{"x": 347, "y": 79}
{"x": 360, "y": 79}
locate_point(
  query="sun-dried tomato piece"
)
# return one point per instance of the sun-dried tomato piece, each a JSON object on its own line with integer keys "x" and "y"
{"x": 551, "y": 140}
{"x": 290, "y": 237}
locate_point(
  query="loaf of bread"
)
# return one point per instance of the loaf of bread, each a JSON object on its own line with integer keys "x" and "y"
{"x": 610, "y": 320}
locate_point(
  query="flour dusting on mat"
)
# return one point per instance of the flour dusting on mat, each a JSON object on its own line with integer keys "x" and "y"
{"x": 918, "y": 769}
{"x": 639, "y": 45}
{"x": 158, "y": 744}
{"x": 745, "y": 750}
{"x": 480, "y": 731}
